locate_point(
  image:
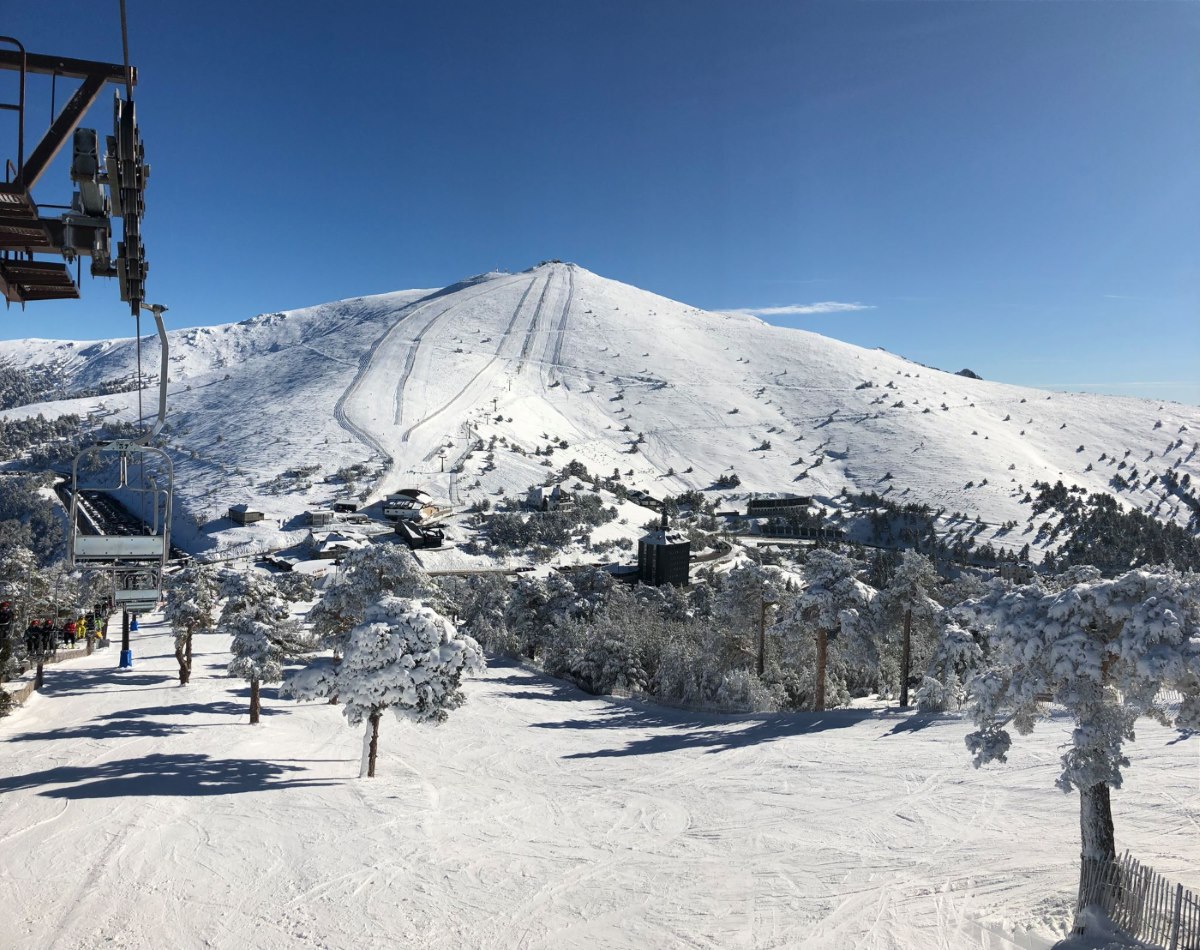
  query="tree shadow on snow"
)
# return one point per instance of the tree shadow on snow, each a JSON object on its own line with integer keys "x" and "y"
{"x": 217, "y": 708}
{"x": 168, "y": 775}
{"x": 675, "y": 731}
{"x": 915, "y": 722}
{"x": 121, "y": 729}
{"x": 60, "y": 682}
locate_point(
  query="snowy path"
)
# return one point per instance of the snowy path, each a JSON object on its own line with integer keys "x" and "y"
{"x": 134, "y": 813}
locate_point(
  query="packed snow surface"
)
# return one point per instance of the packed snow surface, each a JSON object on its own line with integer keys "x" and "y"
{"x": 412, "y": 382}
{"x": 136, "y": 813}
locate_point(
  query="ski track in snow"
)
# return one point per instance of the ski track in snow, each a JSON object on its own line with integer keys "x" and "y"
{"x": 556, "y": 355}
{"x": 531, "y": 332}
{"x": 136, "y": 813}
{"x": 457, "y": 301}
{"x": 472, "y": 383}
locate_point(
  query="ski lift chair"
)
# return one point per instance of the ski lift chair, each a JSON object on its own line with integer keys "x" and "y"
{"x": 126, "y": 554}
{"x": 137, "y": 591}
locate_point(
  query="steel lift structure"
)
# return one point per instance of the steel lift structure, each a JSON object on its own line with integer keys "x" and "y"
{"x": 109, "y": 183}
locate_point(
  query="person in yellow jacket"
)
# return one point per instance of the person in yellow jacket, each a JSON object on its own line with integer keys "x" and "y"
{"x": 81, "y": 630}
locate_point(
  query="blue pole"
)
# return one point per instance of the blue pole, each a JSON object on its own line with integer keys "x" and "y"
{"x": 126, "y": 653}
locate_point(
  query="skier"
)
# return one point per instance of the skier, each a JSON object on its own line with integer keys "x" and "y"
{"x": 133, "y": 624}
{"x": 32, "y": 637}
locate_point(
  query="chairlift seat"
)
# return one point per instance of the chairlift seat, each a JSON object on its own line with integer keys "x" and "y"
{"x": 126, "y": 597}
{"x": 107, "y": 547}
{"x": 140, "y": 607}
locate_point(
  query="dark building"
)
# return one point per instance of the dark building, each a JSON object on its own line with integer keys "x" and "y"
{"x": 320, "y": 518}
{"x": 776, "y": 506}
{"x": 242, "y": 514}
{"x": 420, "y": 536}
{"x": 664, "y": 557}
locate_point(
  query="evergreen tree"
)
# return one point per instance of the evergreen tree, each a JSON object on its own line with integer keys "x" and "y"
{"x": 828, "y": 613}
{"x": 403, "y": 656}
{"x": 257, "y": 616}
{"x": 366, "y": 575}
{"x": 743, "y": 604}
{"x": 192, "y": 597}
{"x": 1103, "y": 649}
{"x": 906, "y": 607}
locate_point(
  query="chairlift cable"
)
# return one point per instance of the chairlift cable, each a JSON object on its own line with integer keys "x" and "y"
{"x": 125, "y": 51}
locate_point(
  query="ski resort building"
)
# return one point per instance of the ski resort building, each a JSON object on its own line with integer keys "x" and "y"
{"x": 420, "y": 536}
{"x": 334, "y": 545}
{"x": 321, "y": 518}
{"x": 404, "y": 508}
{"x": 773, "y": 506}
{"x": 548, "y": 497}
{"x": 664, "y": 557}
{"x": 242, "y": 514}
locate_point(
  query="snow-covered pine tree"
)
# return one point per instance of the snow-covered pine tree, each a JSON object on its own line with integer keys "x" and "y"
{"x": 537, "y": 606}
{"x": 829, "y": 609}
{"x": 23, "y": 583}
{"x": 744, "y": 600}
{"x": 256, "y": 615}
{"x": 906, "y": 606}
{"x": 366, "y": 575}
{"x": 481, "y": 601}
{"x": 1104, "y": 649}
{"x": 404, "y": 656}
{"x": 192, "y": 597}
{"x": 954, "y": 660}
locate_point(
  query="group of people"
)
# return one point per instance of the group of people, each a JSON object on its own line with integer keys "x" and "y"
{"x": 43, "y": 636}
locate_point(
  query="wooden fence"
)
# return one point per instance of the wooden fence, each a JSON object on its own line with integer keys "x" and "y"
{"x": 1142, "y": 903}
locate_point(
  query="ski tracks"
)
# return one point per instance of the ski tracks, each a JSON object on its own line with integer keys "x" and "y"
{"x": 487, "y": 367}
{"x": 560, "y": 332}
{"x": 531, "y": 333}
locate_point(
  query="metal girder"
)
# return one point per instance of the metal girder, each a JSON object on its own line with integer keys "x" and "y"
{"x": 86, "y": 230}
{"x": 60, "y": 129}
{"x": 65, "y": 66}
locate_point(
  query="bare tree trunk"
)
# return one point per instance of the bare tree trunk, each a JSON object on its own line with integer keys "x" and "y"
{"x": 254, "y": 704}
{"x": 374, "y": 744}
{"x": 822, "y": 656}
{"x": 183, "y": 656}
{"x": 762, "y": 636}
{"x": 906, "y": 660}
{"x": 1098, "y": 840}
{"x": 368, "y": 731}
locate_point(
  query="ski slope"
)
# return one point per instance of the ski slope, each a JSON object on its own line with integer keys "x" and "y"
{"x": 138, "y": 814}
{"x": 409, "y": 383}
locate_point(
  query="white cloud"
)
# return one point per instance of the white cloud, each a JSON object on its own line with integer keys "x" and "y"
{"x": 797, "y": 309}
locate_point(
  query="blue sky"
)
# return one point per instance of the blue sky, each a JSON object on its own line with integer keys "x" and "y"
{"x": 1010, "y": 187}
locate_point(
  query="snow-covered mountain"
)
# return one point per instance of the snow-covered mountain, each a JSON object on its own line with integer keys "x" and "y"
{"x": 556, "y": 354}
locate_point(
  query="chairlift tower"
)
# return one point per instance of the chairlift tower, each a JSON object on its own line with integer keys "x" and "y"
{"x": 110, "y": 183}
{"x": 36, "y": 253}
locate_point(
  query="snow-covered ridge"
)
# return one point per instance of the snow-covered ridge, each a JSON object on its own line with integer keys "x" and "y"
{"x": 559, "y": 353}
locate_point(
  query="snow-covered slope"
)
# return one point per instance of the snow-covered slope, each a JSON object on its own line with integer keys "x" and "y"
{"x": 559, "y": 353}
{"x": 141, "y": 815}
